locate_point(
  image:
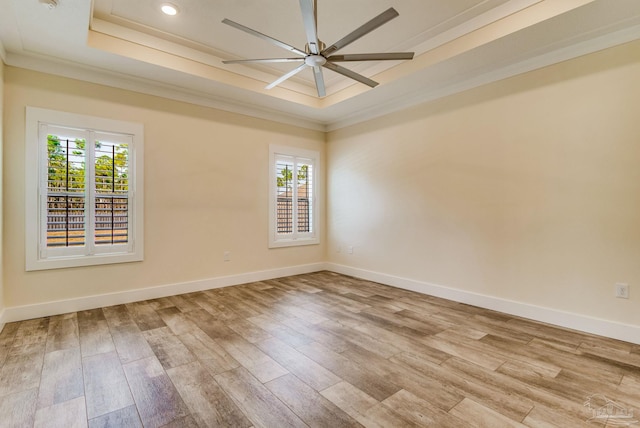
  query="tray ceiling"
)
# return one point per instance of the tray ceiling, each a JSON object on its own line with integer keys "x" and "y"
{"x": 458, "y": 44}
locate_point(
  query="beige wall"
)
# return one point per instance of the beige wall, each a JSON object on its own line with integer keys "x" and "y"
{"x": 527, "y": 189}
{"x": 205, "y": 190}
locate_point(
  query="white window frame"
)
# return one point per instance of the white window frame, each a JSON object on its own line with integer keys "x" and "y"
{"x": 38, "y": 256}
{"x": 295, "y": 238}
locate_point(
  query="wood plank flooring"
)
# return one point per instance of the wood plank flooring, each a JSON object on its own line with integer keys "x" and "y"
{"x": 316, "y": 350}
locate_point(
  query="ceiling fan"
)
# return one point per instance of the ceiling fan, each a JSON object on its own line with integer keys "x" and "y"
{"x": 316, "y": 55}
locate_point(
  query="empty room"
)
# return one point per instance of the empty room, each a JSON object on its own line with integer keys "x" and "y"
{"x": 319, "y": 213}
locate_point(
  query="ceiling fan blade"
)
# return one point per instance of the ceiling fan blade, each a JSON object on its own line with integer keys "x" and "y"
{"x": 317, "y": 74}
{"x": 264, "y": 37}
{"x": 372, "y": 56}
{"x": 350, "y": 74}
{"x": 310, "y": 26}
{"x": 240, "y": 61}
{"x": 286, "y": 76}
{"x": 376, "y": 22}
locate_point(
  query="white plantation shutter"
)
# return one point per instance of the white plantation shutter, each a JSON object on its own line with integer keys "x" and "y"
{"x": 63, "y": 190}
{"x": 113, "y": 199}
{"x": 293, "y": 219}
{"x": 86, "y": 197}
{"x": 285, "y": 194}
{"x": 89, "y": 197}
{"x": 304, "y": 197}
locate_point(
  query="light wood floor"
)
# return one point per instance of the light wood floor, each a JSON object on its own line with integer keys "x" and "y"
{"x": 320, "y": 350}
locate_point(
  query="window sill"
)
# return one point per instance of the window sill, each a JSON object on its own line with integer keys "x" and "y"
{"x": 293, "y": 242}
{"x": 79, "y": 261}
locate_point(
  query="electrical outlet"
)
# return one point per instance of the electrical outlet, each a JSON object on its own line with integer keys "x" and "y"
{"x": 350, "y": 249}
{"x": 622, "y": 291}
{"x": 339, "y": 250}
{"x": 226, "y": 256}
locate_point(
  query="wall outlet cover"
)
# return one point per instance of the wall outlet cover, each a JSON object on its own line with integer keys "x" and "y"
{"x": 622, "y": 290}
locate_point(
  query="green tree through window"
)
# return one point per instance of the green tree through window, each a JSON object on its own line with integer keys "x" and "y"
{"x": 67, "y": 176}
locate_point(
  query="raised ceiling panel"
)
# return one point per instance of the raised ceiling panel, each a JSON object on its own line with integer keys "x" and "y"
{"x": 200, "y": 22}
{"x": 459, "y": 44}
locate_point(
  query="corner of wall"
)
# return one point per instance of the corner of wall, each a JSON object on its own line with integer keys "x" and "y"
{"x": 1, "y": 186}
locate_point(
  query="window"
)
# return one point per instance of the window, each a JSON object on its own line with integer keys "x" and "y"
{"x": 293, "y": 187}
{"x": 84, "y": 190}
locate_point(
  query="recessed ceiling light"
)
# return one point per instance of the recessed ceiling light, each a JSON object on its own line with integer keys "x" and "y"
{"x": 169, "y": 9}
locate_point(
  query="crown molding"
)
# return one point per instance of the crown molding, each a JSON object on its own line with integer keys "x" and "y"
{"x": 135, "y": 84}
{"x": 427, "y": 95}
{"x": 176, "y": 93}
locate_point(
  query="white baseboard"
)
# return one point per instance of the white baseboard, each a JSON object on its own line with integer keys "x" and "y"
{"x": 19, "y": 313}
{"x": 615, "y": 330}
{"x": 612, "y": 329}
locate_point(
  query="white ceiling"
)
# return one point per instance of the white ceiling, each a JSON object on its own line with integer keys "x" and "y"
{"x": 459, "y": 44}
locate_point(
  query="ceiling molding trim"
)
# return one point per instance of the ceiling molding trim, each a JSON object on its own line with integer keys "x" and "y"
{"x": 123, "y": 28}
{"x": 180, "y": 47}
{"x": 563, "y": 54}
{"x": 525, "y": 18}
{"x": 418, "y": 46}
{"x": 190, "y": 50}
{"x": 482, "y": 20}
{"x": 121, "y": 81}
{"x": 143, "y": 86}
{"x": 161, "y": 58}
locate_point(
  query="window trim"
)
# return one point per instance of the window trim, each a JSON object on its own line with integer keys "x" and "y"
{"x": 276, "y": 241}
{"x": 35, "y": 164}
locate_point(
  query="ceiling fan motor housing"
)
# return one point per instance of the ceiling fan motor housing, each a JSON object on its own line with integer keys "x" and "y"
{"x": 315, "y": 60}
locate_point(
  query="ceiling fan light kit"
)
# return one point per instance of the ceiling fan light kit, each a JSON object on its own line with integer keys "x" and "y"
{"x": 316, "y": 55}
